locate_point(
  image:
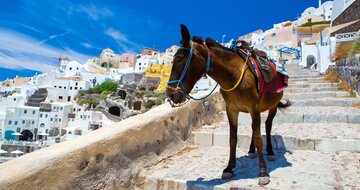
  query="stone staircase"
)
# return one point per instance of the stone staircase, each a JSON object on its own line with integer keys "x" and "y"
{"x": 35, "y": 99}
{"x": 317, "y": 144}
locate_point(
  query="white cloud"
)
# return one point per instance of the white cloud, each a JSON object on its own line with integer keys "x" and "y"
{"x": 19, "y": 51}
{"x": 94, "y": 12}
{"x": 53, "y": 37}
{"x": 89, "y": 46}
{"x": 121, "y": 39}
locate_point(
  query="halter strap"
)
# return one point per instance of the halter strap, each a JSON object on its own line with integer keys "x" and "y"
{"x": 180, "y": 81}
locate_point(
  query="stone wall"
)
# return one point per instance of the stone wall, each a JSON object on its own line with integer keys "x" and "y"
{"x": 111, "y": 157}
{"x": 349, "y": 70}
{"x": 350, "y": 14}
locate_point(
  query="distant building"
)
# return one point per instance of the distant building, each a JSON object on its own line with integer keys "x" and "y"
{"x": 149, "y": 51}
{"x": 255, "y": 38}
{"x": 282, "y": 34}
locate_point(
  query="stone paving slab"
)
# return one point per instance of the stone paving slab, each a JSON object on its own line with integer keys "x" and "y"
{"x": 309, "y": 114}
{"x": 326, "y": 102}
{"x": 313, "y": 85}
{"x": 306, "y": 136}
{"x": 322, "y": 94}
{"x": 201, "y": 168}
{"x": 304, "y": 90}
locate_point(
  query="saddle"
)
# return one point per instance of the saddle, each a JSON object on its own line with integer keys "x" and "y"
{"x": 261, "y": 60}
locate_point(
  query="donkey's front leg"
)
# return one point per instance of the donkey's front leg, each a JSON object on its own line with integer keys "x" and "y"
{"x": 233, "y": 121}
{"x": 264, "y": 177}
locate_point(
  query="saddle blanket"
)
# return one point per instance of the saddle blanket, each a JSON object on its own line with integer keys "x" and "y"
{"x": 277, "y": 84}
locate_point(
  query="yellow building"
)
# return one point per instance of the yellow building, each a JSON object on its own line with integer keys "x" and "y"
{"x": 160, "y": 71}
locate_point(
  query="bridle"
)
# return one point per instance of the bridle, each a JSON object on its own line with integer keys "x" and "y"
{"x": 180, "y": 85}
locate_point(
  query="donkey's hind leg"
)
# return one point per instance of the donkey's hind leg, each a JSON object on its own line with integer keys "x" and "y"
{"x": 233, "y": 121}
{"x": 268, "y": 125}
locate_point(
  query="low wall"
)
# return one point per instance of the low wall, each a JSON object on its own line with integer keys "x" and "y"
{"x": 349, "y": 70}
{"x": 111, "y": 157}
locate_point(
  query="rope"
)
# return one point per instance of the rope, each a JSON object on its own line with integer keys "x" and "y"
{"x": 240, "y": 79}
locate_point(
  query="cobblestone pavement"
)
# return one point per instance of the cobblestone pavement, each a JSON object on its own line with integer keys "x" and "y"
{"x": 317, "y": 145}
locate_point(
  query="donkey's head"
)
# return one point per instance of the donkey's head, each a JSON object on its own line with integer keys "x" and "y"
{"x": 189, "y": 65}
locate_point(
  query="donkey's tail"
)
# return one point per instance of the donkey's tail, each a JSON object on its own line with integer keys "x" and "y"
{"x": 285, "y": 105}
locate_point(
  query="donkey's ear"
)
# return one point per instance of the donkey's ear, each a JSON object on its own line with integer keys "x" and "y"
{"x": 185, "y": 34}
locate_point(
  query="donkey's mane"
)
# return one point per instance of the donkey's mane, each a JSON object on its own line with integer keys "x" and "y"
{"x": 212, "y": 43}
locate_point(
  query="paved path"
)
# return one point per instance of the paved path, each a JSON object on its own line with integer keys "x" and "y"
{"x": 317, "y": 144}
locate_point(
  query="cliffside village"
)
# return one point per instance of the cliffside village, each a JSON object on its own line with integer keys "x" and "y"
{"x": 44, "y": 109}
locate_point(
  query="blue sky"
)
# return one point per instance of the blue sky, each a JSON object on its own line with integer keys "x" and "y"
{"x": 34, "y": 33}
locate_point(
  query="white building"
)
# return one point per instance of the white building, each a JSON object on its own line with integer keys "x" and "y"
{"x": 142, "y": 62}
{"x": 84, "y": 122}
{"x": 53, "y": 117}
{"x": 23, "y": 120}
{"x": 324, "y": 10}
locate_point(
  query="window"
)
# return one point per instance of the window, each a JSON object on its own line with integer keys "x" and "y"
{"x": 41, "y": 115}
{"x": 51, "y": 119}
{"x": 59, "y": 120}
{"x": 60, "y": 86}
{"x": 14, "y": 99}
{"x": 76, "y": 84}
{"x": 34, "y": 112}
{"x": 33, "y": 122}
{"x": 23, "y": 121}
{"x": 79, "y": 109}
{"x": 74, "y": 109}
{"x": 273, "y": 35}
{"x": 70, "y": 68}
{"x": 46, "y": 115}
{"x": 10, "y": 122}
{"x": 70, "y": 87}
{"x": 64, "y": 87}
{"x": 61, "y": 108}
{"x": 16, "y": 122}
{"x": 55, "y": 86}
{"x": 25, "y": 111}
{"x": 75, "y": 88}
{"x": 80, "y": 116}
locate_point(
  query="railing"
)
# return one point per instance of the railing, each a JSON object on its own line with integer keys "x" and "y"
{"x": 345, "y": 37}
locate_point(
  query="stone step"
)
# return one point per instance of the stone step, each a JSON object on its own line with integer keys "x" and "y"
{"x": 307, "y": 79}
{"x": 308, "y": 114}
{"x": 315, "y": 95}
{"x": 302, "y": 90}
{"x": 329, "y": 137}
{"x": 200, "y": 167}
{"x": 303, "y": 75}
{"x": 312, "y": 85}
{"x": 326, "y": 102}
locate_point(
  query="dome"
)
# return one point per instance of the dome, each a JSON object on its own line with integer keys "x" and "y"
{"x": 108, "y": 50}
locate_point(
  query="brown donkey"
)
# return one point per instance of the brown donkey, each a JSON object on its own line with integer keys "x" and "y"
{"x": 192, "y": 61}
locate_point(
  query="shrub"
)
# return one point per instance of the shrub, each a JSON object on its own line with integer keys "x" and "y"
{"x": 355, "y": 47}
{"x": 314, "y": 23}
{"x": 106, "y": 86}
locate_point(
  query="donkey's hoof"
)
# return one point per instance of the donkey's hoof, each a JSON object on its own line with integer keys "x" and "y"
{"x": 252, "y": 155}
{"x": 227, "y": 175}
{"x": 264, "y": 180}
{"x": 271, "y": 157}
